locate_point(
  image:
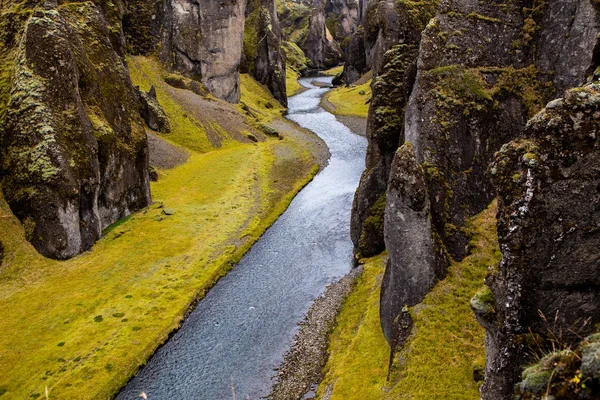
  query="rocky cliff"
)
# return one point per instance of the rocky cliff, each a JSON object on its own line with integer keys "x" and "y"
{"x": 320, "y": 46}
{"x": 546, "y": 290}
{"x": 204, "y": 40}
{"x": 395, "y": 28}
{"x": 74, "y": 151}
{"x": 482, "y": 71}
{"x": 263, "y": 53}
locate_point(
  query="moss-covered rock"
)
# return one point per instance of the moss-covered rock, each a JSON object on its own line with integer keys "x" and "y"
{"x": 151, "y": 111}
{"x": 74, "y": 151}
{"x": 564, "y": 374}
{"x": 549, "y": 232}
{"x": 264, "y": 57}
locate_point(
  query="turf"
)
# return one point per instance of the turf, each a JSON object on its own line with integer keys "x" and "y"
{"x": 81, "y": 328}
{"x": 438, "y": 361}
{"x": 352, "y": 100}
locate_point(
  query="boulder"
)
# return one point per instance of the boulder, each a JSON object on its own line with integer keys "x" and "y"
{"x": 547, "y": 286}
{"x": 74, "y": 153}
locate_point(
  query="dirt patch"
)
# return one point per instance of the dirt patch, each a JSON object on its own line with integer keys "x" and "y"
{"x": 316, "y": 146}
{"x": 302, "y": 367}
{"x": 164, "y": 155}
{"x": 220, "y": 119}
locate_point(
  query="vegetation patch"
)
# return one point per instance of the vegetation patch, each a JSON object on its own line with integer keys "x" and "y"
{"x": 352, "y": 100}
{"x": 439, "y": 359}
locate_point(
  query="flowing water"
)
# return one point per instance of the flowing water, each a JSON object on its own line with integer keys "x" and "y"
{"x": 237, "y": 336}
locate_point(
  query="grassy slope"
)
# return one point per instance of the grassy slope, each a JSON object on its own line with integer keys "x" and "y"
{"x": 349, "y": 100}
{"x": 438, "y": 360}
{"x": 83, "y": 327}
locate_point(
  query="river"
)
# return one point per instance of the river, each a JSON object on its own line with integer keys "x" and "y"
{"x": 236, "y": 337}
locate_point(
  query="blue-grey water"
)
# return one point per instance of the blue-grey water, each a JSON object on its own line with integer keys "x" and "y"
{"x": 237, "y": 336}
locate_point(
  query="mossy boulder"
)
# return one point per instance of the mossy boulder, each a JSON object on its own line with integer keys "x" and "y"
{"x": 74, "y": 150}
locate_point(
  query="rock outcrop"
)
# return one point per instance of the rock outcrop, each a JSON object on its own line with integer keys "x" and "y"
{"x": 319, "y": 46}
{"x": 342, "y": 18}
{"x": 482, "y": 73}
{"x": 74, "y": 153}
{"x": 546, "y": 290}
{"x": 263, "y": 52}
{"x": 151, "y": 111}
{"x": 411, "y": 270}
{"x": 204, "y": 40}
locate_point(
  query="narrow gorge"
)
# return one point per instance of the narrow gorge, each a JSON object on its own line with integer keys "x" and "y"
{"x": 300, "y": 199}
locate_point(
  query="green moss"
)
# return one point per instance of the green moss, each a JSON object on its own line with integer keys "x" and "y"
{"x": 438, "y": 360}
{"x": 372, "y": 228}
{"x": 349, "y": 100}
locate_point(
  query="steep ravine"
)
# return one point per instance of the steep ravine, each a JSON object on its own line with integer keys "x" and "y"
{"x": 238, "y": 334}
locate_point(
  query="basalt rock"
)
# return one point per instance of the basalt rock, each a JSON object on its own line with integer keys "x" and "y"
{"x": 151, "y": 111}
{"x": 74, "y": 153}
{"x": 263, "y": 54}
{"x": 204, "y": 40}
{"x": 392, "y": 86}
{"x": 385, "y": 23}
{"x": 547, "y": 286}
{"x": 480, "y": 78}
{"x": 411, "y": 271}
{"x": 342, "y": 18}
{"x": 320, "y": 47}
{"x": 142, "y": 24}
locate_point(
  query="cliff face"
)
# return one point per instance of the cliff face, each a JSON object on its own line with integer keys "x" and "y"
{"x": 482, "y": 72}
{"x": 263, "y": 54}
{"x": 204, "y": 40}
{"x": 342, "y": 18}
{"x": 320, "y": 47}
{"x": 547, "y": 285}
{"x": 74, "y": 151}
{"x": 389, "y": 24}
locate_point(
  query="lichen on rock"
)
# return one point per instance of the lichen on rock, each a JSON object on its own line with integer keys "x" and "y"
{"x": 74, "y": 152}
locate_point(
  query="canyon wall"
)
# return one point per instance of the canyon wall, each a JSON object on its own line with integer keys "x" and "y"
{"x": 547, "y": 285}
{"x": 263, "y": 55}
{"x": 204, "y": 41}
{"x": 480, "y": 72}
{"x": 74, "y": 152}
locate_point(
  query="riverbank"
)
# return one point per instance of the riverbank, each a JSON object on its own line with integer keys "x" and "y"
{"x": 350, "y": 104}
{"x": 81, "y": 328}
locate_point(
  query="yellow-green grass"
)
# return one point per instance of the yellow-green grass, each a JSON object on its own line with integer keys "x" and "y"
{"x": 334, "y": 71}
{"x": 83, "y": 327}
{"x": 437, "y": 362}
{"x": 185, "y": 130}
{"x": 259, "y": 99}
{"x": 349, "y": 100}
{"x": 291, "y": 80}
